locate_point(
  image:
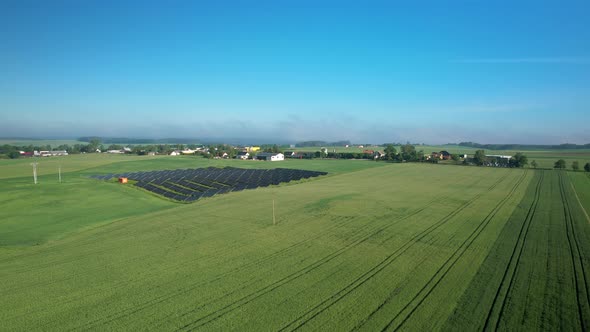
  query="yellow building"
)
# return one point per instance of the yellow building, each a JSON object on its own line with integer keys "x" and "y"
{"x": 252, "y": 148}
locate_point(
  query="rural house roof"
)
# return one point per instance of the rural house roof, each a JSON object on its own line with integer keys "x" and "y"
{"x": 267, "y": 154}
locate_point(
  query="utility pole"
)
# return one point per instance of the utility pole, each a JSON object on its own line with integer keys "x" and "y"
{"x": 34, "y": 171}
{"x": 274, "y": 221}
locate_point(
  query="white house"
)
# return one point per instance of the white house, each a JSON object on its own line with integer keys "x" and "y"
{"x": 175, "y": 153}
{"x": 243, "y": 155}
{"x": 270, "y": 156}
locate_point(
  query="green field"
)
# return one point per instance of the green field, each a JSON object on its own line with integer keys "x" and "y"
{"x": 371, "y": 246}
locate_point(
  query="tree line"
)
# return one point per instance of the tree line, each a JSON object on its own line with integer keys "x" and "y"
{"x": 524, "y": 146}
{"x": 561, "y": 164}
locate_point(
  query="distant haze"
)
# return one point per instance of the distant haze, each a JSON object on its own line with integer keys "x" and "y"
{"x": 489, "y": 72}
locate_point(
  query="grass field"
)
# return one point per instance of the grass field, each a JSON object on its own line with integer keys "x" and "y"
{"x": 371, "y": 246}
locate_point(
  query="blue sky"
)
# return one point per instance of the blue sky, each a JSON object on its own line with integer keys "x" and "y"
{"x": 368, "y": 71}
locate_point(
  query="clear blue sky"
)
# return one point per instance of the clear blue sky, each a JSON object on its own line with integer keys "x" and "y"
{"x": 423, "y": 71}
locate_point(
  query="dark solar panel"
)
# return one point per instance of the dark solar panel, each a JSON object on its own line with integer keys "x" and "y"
{"x": 189, "y": 185}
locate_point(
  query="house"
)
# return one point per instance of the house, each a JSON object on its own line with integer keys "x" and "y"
{"x": 303, "y": 155}
{"x": 151, "y": 153}
{"x": 435, "y": 155}
{"x": 268, "y": 156}
{"x": 25, "y": 154}
{"x": 243, "y": 155}
{"x": 224, "y": 155}
{"x": 115, "y": 151}
{"x": 290, "y": 154}
{"x": 175, "y": 153}
{"x": 378, "y": 154}
{"x": 123, "y": 180}
{"x": 445, "y": 155}
{"x": 50, "y": 153}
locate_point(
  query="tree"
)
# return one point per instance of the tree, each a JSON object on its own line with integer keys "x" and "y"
{"x": 480, "y": 157}
{"x": 518, "y": 160}
{"x": 408, "y": 152}
{"x": 560, "y": 164}
{"x": 455, "y": 157}
{"x": 575, "y": 166}
{"x": 13, "y": 154}
{"x": 94, "y": 144}
{"x": 390, "y": 152}
{"x": 534, "y": 164}
{"x": 587, "y": 167}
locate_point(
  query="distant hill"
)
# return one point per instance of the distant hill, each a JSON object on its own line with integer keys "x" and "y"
{"x": 522, "y": 146}
{"x": 307, "y": 144}
{"x": 126, "y": 140}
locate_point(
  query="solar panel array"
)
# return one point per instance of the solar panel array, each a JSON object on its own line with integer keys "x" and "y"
{"x": 188, "y": 185}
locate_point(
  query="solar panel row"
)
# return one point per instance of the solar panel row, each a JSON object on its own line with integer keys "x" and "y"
{"x": 191, "y": 184}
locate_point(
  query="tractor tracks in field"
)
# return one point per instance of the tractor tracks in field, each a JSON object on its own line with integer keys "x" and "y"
{"x": 580, "y": 279}
{"x": 499, "y": 302}
{"x": 160, "y": 299}
{"x": 340, "y": 222}
{"x": 203, "y": 320}
{"x": 327, "y": 303}
{"x": 408, "y": 310}
{"x": 210, "y": 317}
{"x": 580, "y": 203}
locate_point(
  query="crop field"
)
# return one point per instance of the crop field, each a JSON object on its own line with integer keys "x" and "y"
{"x": 370, "y": 246}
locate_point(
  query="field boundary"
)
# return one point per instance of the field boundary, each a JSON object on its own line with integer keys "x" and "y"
{"x": 580, "y": 202}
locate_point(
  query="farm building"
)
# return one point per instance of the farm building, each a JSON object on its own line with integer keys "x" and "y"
{"x": 378, "y": 154}
{"x": 270, "y": 156}
{"x": 497, "y": 156}
{"x": 243, "y": 155}
{"x": 50, "y": 153}
{"x": 445, "y": 155}
{"x": 290, "y": 154}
